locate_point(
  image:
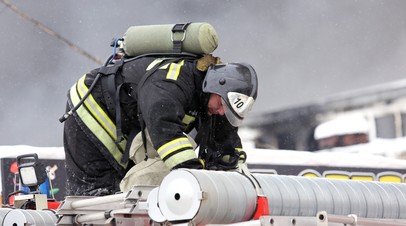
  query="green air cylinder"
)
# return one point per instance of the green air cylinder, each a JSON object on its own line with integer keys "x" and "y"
{"x": 200, "y": 38}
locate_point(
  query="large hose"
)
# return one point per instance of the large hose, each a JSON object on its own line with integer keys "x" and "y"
{"x": 302, "y": 196}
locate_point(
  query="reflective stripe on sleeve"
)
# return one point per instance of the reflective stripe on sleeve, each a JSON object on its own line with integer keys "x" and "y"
{"x": 176, "y": 151}
{"x": 174, "y": 70}
{"x": 98, "y": 122}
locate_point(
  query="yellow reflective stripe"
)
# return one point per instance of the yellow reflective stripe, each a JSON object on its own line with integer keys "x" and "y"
{"x": 185, "y": 153}
{"x": 96, "y": 110}
{"x": 96, "y": 128}
{"x": 155, "y": 62}
{"x": 180, "y": 157}
{"x": 174, "y": 70}
{"x": 188, "y": 119}
{"x": 173, "y": 146}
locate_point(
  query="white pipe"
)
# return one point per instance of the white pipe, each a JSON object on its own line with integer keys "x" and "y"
{"x": 88, "y": 218}
{"x": 98, "y": 200}
{"x": 354, "y": 220}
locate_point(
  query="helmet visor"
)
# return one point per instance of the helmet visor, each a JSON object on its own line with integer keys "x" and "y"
{"x": 236, "y": 107}
{"x": 231, "y": 116}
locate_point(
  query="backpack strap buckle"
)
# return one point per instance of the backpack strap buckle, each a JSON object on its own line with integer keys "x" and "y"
{"x": 177, "y": 44}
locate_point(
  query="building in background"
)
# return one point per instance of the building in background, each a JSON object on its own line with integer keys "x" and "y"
{"x": 383, "y": 107}
{"x": 342, "y": 131}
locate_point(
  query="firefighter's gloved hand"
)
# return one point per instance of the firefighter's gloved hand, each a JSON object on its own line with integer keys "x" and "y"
{"x": 190, "y": 164}
{"x": 227, "y": 160}
{"x": 203, "y": 63}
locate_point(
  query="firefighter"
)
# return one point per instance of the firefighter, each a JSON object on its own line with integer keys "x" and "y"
{"x": 155, "y": 103}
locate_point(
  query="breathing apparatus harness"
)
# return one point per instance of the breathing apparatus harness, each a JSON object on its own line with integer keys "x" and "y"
{"x": 113, "y": 64}
{"x": 109, "y": 70}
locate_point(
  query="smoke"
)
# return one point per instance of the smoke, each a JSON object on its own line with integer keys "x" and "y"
{"x": 301, "y": 50}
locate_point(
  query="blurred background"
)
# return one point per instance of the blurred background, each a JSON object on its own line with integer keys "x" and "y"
{"x": 304, "y": 52}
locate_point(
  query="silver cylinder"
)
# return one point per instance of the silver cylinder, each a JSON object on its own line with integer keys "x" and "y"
{"x": 3, "y": 213}
{"x": 20, "y": 217}
{"x": 301, "y": 196}
{"x": 207, "y": 197}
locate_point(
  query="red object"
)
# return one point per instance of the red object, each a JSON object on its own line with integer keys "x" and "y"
{"x": 13, "y": 167}
{"x": 11, "y": 200}
{"x": 53, "y": 205}
{"x": 262, "y": 207}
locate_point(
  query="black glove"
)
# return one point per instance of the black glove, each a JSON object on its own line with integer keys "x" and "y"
{"x": 221, "y": 160}
{"x": 190, "y": 164}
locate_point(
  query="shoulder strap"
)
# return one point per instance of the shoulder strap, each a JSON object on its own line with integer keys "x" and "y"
{"x": 111, "y": 94}
{"x": 108, "y": 85}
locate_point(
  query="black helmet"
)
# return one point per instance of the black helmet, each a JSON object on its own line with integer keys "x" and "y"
{"x": 237, "y": 85}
